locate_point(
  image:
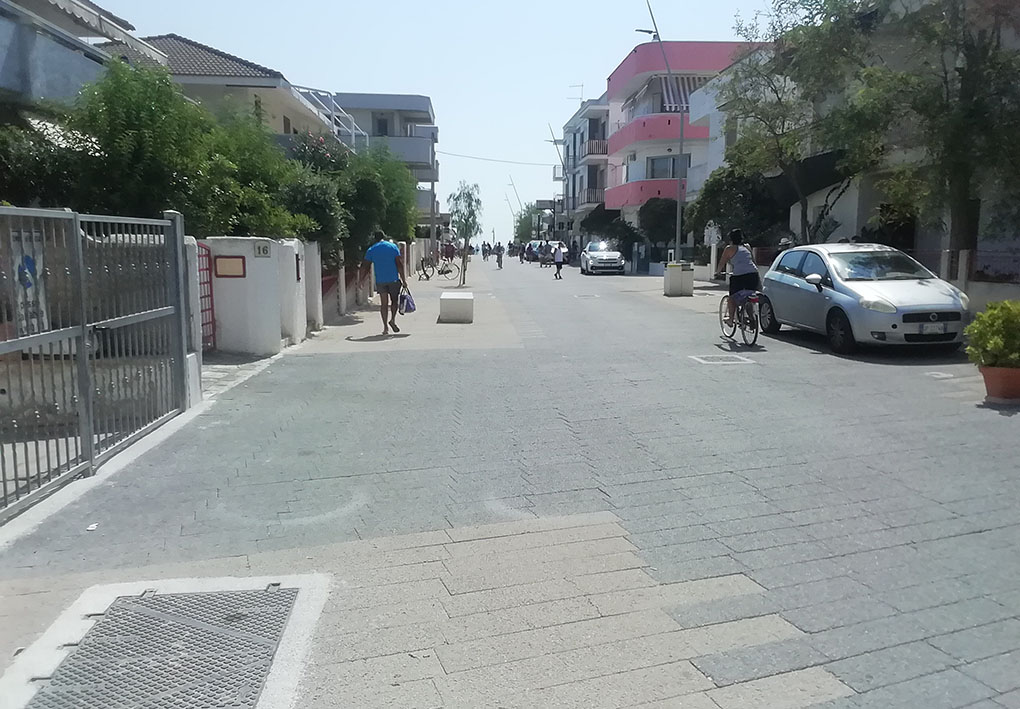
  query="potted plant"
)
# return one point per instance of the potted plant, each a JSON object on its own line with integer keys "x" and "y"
{"x": 994, "y": 347}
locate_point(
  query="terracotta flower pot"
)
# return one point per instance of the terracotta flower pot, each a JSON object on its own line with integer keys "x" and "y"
{"x": 1002, "y": 383}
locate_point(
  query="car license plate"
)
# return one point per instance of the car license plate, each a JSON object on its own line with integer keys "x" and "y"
{"x": 933, "y": 328}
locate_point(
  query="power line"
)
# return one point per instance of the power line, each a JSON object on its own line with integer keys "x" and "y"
{"x": 508, "y": 162}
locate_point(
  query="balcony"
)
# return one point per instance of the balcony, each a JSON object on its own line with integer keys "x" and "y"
{"x": 636, "y": 193}
{"x": 591, "y": 195}
{"x": 655, "y": 126}
{"x": 646, "y": 60}
{"x": 594, "y": 148}
{"x": 415, "y": 151}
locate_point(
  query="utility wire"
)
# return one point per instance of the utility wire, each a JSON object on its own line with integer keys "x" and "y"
{"x": 508, "y": 162}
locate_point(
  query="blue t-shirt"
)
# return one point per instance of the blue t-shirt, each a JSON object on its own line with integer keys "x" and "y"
{"x": 383, "y": 256}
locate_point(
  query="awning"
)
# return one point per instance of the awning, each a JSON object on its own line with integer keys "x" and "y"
{"x": 91, "y": 16}
{"x": 677, "y": 90}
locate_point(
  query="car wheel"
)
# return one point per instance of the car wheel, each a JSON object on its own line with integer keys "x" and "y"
{"x": 767, "y": 318}
{"x": 841, "y": 335}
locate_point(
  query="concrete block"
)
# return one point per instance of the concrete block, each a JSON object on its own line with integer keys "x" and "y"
{"x": 889, "y": 666}
{"x": 674, "y": 594}
{"x": 457, "y": 308}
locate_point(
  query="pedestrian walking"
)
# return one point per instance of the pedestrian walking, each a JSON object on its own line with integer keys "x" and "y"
{"x": 558, "y": 260}
{"x": 389, "y": 278}
{"x": 520, "y": 252}
{"x": 499, "y": 255}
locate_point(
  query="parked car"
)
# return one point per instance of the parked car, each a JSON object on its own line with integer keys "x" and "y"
{"x": 600, "y": 256}
{"x": 862, "y": 294}
{"x": 536, "y": 245}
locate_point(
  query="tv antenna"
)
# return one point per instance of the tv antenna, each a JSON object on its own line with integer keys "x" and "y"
{"x": 577, "y": 98}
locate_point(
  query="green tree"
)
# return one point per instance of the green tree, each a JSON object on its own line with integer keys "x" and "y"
{"x": 524, "y": 226}
{"x": 140, "y": 143}
{"x": 363, "y": 197}
{"x": 733, "y": 200}
{"x": 608, "y": 225}
{"x": 401, "y": 192}
{"x": 657, "y": 220}
{"x": 465, "y": 213}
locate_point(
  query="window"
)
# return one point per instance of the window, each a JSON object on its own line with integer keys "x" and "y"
{"x": 286, "y": 125}
{"x": 813, "y": 264}
{"x": 790, "y": 263}
{"x": 382, "y": 126}
{"x": 660, "y": 168}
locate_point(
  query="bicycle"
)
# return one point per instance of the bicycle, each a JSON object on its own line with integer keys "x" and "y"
{"x": 449, "y": 269}
{"x": 427, "y": 269}
{"x": 745, "y": 316}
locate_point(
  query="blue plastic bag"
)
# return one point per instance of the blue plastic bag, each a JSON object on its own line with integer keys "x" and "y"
{"x": 405, "y": 303}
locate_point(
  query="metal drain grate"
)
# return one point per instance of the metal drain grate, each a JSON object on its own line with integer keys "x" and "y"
{"x": 174, "y": 651}
{"x": 721, "y": 359}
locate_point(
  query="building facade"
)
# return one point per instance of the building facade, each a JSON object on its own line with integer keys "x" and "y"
{"x": 648, "y": 115}
{"x": 44, "y": 49}
{"x": 406, "y": 124}
{"x": 585, "y": 155}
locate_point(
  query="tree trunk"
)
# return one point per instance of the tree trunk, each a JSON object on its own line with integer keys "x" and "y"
{"x": 805, "y": 223}
{"x": 464, "y": 261}
{"x": 962, "y": 230}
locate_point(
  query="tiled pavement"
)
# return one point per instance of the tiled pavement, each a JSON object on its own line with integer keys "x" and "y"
{"x": 805, "y": 530}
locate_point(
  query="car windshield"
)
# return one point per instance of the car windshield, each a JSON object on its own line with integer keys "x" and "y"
{"x": 877, "y": 266}
{"x": 598, "y": 246}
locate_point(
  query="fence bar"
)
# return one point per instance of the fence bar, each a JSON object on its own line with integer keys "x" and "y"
{"x": 84, "y": 345}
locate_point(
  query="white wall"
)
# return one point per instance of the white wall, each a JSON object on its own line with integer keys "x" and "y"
{"x": 293, "y": 313}
{"x": 845, "y": 211}
{"x": 313, "y": 286}
{"x": 247, "y": 309}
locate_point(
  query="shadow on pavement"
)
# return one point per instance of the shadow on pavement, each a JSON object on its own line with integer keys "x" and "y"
{"x": 378, "y": 338}
{"x": 893, "y": 355}
{"x": 215, "y": 357}
{"x": 735, "y": 347}
{"x": 1001, "y": 409}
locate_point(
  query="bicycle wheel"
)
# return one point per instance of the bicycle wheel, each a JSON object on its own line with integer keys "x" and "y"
{"x": 451, "y": 271}
{"x": 428, "y": 269}
{"x": 748, "y": 324}
{"x": 724, "y": 311}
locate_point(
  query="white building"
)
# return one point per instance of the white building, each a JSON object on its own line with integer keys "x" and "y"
{"x": 585, "y": 163}
{"x": 406, "y": 124}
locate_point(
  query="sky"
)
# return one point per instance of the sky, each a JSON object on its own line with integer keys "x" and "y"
{"x": 499, "y": 73}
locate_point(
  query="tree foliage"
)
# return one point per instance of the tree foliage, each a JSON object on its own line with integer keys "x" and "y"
{"x": 734, "y": 200}
{"x": 657, "y": 219}
{"x": 524, "y": 226}
{"x": 134, "y": 145}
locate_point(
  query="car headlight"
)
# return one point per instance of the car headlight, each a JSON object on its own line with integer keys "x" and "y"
{"x": 878, "y": 305}
{"x": 964, "y": 300}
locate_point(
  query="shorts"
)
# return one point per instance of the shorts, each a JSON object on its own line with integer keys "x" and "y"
{"x": 390, "y": 289}
{"x": 745, "y": 281}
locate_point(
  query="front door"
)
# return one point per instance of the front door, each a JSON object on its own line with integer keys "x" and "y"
{"x": 808, "y": 306}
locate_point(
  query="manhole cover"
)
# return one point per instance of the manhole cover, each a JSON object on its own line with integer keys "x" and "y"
{"x": 721, "y": 359}
{"x": 174, "y": 651}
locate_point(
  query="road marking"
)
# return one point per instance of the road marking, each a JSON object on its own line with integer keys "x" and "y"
{"x": 721, "y": 359}
{"x": 939, "y": 375}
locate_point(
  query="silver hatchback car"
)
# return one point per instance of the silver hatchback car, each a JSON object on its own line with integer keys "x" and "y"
{"x": 862, "y": 294}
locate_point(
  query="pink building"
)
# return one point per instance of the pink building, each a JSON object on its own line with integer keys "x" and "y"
{"x": 645, "y": 110}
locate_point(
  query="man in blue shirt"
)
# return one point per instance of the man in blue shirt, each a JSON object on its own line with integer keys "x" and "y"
{"x": 389, "y": 277}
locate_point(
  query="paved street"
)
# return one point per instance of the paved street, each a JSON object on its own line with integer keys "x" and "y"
{"x": 559, "y": 506}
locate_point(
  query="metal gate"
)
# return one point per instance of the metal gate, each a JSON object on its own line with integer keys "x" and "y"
{"x": 206, "y": 303}
{"x": 92, "y": 342}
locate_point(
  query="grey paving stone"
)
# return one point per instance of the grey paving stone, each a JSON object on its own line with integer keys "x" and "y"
{"x": 723, "y": 610}
{"x": 889, "y": 666}
{"x": 981, "y": 642}
{"x": 1001, "y": 672}
{"x": 947, "y": 689}
{"x": 835, "y": 614}
{"x": 760, "y": 661}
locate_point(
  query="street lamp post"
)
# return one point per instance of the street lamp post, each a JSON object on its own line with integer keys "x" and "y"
{"x": 681, "y": 173}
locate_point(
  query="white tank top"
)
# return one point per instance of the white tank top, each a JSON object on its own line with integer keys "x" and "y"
{"x": 743, "y": 262}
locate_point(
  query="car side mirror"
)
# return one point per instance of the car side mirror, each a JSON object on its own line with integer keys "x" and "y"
{"x": 815, "y": 280}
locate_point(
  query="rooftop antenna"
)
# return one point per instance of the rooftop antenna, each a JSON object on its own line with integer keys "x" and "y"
{"x": 577, "y": 98}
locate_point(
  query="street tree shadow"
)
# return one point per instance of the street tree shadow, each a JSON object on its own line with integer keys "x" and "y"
{"x": 728, "y": 345}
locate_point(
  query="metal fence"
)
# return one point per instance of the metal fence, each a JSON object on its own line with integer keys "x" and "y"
{"x": 206, "y": 302}
{"x": 92, "y": 342}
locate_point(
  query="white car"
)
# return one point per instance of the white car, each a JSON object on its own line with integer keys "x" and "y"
{"x": 599, "y": 256}
{"x": 862, "y": 294}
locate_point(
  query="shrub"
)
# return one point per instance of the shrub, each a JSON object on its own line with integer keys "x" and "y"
{"x": 995, "y": 336}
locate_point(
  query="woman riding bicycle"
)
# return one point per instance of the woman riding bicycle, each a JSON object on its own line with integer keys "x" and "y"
{"x": 745, "y": 272}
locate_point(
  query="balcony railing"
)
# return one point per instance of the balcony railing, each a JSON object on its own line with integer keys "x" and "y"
{"x": 593, "y": 195}
{"x": 594, "y": 147}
